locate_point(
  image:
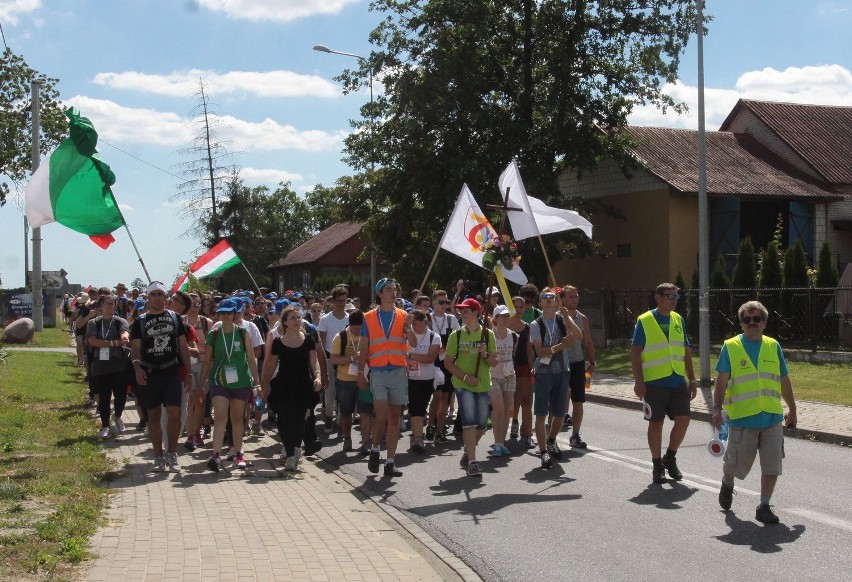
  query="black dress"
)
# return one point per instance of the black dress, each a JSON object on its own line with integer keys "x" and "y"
{"x": 292, "y": 391}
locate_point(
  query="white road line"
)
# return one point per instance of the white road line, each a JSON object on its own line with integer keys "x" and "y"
{"x": 819, "y": 517}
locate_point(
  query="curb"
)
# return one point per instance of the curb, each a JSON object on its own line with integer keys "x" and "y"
{"x": 441, "y": 553}
{"x": 799, "y": 433}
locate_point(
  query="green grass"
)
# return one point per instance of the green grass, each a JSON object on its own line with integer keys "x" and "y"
{"x": 52, "y": 337}
{"x": 820, "y": 382}
{"x": 51, "y": 468}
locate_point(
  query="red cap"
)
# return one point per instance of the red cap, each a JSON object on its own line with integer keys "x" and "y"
{"x": 470, "y": 302}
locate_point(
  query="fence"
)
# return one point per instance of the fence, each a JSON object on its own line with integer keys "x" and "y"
{"x": 813, "y": 318}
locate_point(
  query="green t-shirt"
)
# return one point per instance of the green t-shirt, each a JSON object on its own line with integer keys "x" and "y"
{"x": 531, "y": 314}
{"x": 229, "y": 349}
{"x": 466, "y": 345}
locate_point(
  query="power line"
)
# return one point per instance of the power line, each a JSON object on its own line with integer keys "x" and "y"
{"x": 141, "y": 160}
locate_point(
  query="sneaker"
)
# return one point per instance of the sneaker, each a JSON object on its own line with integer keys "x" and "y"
{"x": 90, "y": 403}
{"x": 143, "y": 424}
{"x": 214, "y": 464}
{"x": 373, "y": 462}
{"x": 513, "y": 432}
{"x": 577, "y": 442}
{"x": 104, "y": 433}
{"x": 119, "y": 424}
{"x": 272, "y": 418}
{"x": 417, "y": 445}
{"x": 430, "y": 432}
{"x": 553, "y": 450}
{"x": 528, "y": 442}
{"x": 441, "y": 438}
{"x": 505, "y": 450}
{"x": 670, "y": 464}
{"x": 207, "y": 430}
{"x": 174, "y": 464}
{"x": 546, "y": 462}
{"x": 726, "y": 496}
{"x": 392, "y": 471}
{"x": 255, "y": 428}
{"x": 496, "y": 450}
{"x": 764, "y": 514}
{"x": 364, "y": 449}
{"x": 463, "y": 461}
{"x": 159, "y": 465}
{"x": 489, "y": 424}
{"x": 291, "y": 463}
{"x": 474, "y": 470}
{"x": 232, "y": 454}
{"x": 189, "y": 445}
{"x": 568, "y": 420}
{"x": 240, "y": 461}
{"x": 401, "y": 424}
{"x": 329, "y": 425}
{"x": 658, "y": 473}
{"x": 312, "y": 448}
{"x": 347, "y": 445}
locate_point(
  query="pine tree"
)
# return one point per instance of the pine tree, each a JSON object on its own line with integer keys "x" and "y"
{"x": 826, "y": 270}
{"x": 745, "y": 273}
{"x": 770, "y": 268}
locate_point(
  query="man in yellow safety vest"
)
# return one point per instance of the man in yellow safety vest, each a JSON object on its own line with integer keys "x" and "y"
{"x": 755, "y": 366}
{"x": 662, "y": 363}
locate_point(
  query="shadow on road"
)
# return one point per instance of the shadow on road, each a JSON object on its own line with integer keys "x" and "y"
{"x": 664, "y": 497}
{"x": 765, "y": 539}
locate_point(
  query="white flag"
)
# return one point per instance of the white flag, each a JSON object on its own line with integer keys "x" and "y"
{"x": 468, "y": 229}
{"x": 535, "y": 217}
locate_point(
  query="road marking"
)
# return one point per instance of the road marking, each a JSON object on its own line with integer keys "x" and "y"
{"x": 820, "y": 517}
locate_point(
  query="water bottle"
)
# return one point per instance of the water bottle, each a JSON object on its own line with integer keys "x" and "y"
{"x": 723, "y": 430}
{"x": 259, "y": 404}
{"x": 588, "y": 380}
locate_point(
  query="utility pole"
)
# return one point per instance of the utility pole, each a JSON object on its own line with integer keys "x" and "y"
{"x": 38, "y": 318}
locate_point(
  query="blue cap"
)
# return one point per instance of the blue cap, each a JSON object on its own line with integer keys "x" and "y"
{"x": 297, "y": 295}
{"x": 229, "y": 305}
{"x": 246, "y": 301}
{"x": 382, "y": 283}
{"x": 281, "y": 304}
{"x": 271, "y": 296}
{"x": 140, "y": 304}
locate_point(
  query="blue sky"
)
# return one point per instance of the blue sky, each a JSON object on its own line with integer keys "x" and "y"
{"x": 132, "y": 67}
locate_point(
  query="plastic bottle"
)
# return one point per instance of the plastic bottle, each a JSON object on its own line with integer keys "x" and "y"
{"x": 588, "y": 380}
{"x": 259, "y": 404}
{"x": 723, "y": 430}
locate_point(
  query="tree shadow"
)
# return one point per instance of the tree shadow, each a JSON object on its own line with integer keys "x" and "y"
{"x": 764, "y": 539}
{"x": 665, "y": 497}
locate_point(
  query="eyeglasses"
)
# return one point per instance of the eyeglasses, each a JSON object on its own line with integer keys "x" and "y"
{"x": 548, "y": 296}
{"x": 756, "y": 319}
{"x": 443, "y": 302}
{"x": 672, "y": 296}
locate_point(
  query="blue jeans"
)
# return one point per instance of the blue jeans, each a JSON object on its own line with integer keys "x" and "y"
{"x": 473, "y": 408}
{"x": 551, "y": 389}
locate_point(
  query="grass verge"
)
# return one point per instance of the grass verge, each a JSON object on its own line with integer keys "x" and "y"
{"x": 811, "y": 381}
{"x": 51, "y": 468}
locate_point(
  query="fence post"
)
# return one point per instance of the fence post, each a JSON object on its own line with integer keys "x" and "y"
{"x": 813, "y": 317}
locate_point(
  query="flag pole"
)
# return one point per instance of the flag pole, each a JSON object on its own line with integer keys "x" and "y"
{"x": 252, "y": 278}
{"x": 429, "y": 270}
{"x": 547, "y": 260}
{"x": 133, "y": 242}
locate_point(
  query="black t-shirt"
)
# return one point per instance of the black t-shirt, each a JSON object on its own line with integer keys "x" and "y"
{"x": 82, "y": 312}
{"x": 159, "y": 339}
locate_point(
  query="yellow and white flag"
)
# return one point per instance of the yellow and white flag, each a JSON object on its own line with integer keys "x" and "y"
{"x": 468, "y": 229}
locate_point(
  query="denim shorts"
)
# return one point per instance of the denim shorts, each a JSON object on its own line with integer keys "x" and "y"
{"x": 551, "y": 389}
{"x": 390, "y": 385}
{"x": 473, "y": 408}
{"x": 347, "y": 395}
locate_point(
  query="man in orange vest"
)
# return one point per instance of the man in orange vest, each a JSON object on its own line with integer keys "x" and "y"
{"x": 386, "y": 328}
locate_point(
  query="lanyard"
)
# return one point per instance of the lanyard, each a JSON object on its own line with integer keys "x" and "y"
{"x": 550, "y": 330}
{"x": 105, "y": 330}
{"x": 356, "y": 345}
{"x": 390, "y": 327}
{"x": 233, "y": 341}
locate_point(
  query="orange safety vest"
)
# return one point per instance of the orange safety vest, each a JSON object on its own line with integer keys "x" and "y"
{"x": 386, "y": 350}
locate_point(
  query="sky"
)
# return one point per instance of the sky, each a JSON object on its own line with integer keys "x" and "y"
{"x": 133, "y": 68}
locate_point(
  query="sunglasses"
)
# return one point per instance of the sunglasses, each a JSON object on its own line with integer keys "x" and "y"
{"x": 756, "y": 319}
{"x": 443, "y": 302}
{"x": 548, "y": 296}
{"x": 672, "y": 296}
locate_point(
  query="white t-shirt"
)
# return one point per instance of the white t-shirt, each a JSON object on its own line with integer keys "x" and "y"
{"x": 423, "y": 370}
{"x": 332, "y": 326}
{"x": 257, "y": 340}
{"x": 505, "y": 352}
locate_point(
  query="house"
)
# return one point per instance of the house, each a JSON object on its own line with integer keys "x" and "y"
{"x": 335, "y": 255}
{"x": 768, "y": 160}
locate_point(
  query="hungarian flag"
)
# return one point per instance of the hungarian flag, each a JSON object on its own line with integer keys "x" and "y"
{"x": 218, "y": 259}
{"x": 72, "y": 186}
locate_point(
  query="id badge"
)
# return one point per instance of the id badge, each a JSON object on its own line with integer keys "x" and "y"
{"x": 193, "y": 360}
{"x": 413, "y": 368}
{"x": 103, "y": 354}
{"x": 231, "y": 375}
{"x": 353, "y": 369}
{"x": 544, "y": 360}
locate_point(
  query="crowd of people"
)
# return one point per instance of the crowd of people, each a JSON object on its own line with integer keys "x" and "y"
{"x": 225, "y": 366}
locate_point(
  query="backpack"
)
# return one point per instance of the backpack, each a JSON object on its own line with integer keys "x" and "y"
{"x": 458, "y": 341}
{"x": 216, "y": 336}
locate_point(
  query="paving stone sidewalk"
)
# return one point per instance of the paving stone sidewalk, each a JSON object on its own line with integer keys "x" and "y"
{"x": 261, "y": 524}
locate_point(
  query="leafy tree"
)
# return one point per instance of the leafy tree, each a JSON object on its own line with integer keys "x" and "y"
{"x": 796, "y": 266}
{"x": 16, "y": 78}
{"x": 826, "y": 271}
{"x": 745, "y": 272}
{"x": 328, "y": 205}
{"x": 470, "y": 85}
{"x": 770, "y": 276}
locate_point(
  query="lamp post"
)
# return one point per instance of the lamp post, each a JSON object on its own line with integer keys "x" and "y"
{"x": 324, "y": 49}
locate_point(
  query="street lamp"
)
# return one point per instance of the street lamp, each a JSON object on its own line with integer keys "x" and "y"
{"x": 324, "y": 49}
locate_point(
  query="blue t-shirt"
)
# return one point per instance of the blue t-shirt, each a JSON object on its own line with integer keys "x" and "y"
{"x": 386, "y": 320}
{"x": 675, "y": 380}
{"x": 752, "y": 348}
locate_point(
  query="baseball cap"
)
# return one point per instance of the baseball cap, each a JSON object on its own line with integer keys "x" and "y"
{"x": 500, "y": 310}
{"x": 282, "y": 304}
{"x": 469, "y": 302}
{"x": 229, "y": 305}
{"x": 382, "y": 283}
{"x": 491, "y": 291}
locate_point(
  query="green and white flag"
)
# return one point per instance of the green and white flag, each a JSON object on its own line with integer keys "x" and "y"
{"x": 72, "y": 186}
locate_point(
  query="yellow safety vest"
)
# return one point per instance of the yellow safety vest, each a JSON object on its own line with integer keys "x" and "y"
{"x": 753, "y": 390}
{"x": 662, "y": 355}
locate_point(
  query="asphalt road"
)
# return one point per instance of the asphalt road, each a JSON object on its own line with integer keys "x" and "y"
{"x": 596, "y": 515}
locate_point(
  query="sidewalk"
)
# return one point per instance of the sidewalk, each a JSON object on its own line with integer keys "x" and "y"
{"x": 829, "y": 423}
{"x": 261, "y": 525}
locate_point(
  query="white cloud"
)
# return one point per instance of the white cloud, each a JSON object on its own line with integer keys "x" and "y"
{"x": 185, "y": 83}
{"x": 116, "y": 123}
{"x": 275, "y": 10}
{"x": 268, "y": 176}
{"x": 126, "y": 208}
{"x": 818, "y": 85}
{"x": 9, "y": 11}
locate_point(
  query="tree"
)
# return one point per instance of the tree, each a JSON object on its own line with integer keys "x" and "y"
{"x": 826, "y": 270}
{"x": 745, "y": 272}
{"x": 720, "y": 298}
{"x": 796, "y": 266}
{"x": 470, "y": 85}
{"x": 208, "y": 170}
{"x": 16, "y": 78}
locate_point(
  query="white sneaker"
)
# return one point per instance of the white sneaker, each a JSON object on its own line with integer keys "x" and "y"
{"x": 159, "y": 465}
{"x": 172, "y": 460}
{"x": 119, "y": 424}
{"x": 104, "y": 433}
{"x": 291, "y": 463}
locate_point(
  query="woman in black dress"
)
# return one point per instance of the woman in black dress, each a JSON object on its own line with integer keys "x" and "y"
{"x": 296, "y": 387}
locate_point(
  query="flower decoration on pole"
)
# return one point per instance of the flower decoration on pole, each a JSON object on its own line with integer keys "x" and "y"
{"x": 500, "y": 250}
